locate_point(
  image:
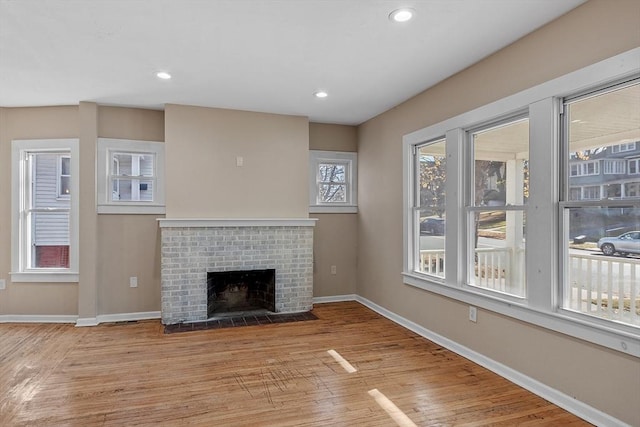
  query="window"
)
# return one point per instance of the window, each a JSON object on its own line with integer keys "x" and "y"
{"x": 532, "y": 186}
{"x": 496, "y": 215}
{"x": 614, "y": 167}
{"x": 45, "y": 210}
{"x": 429, "y": 206}
{"x": 585, "y": 168}
{"x": 621, "y": 148}
{"x": 590, "y": 193}
{"x": 332, "y": 182}
{"x": 594, "y": 285}
{"x": 130, "y": 176}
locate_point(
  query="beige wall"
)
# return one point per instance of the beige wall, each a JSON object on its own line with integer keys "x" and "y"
{"x": 602, "y": 378}
{"x": 203, "y": 180}
{"x": 335, "y": 235}
{"x": 31, "y": 123}
{"x": 129, "y": 245}
{"x": 112, "y": 247}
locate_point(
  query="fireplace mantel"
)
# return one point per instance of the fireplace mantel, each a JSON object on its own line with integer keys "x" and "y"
{"x": 236, "y": 222}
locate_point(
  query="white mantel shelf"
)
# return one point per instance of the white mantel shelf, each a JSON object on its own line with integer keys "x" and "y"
{"x": 236, "y": 222}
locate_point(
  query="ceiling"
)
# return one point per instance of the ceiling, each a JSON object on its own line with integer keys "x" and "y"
{"x": 256, "y": 55}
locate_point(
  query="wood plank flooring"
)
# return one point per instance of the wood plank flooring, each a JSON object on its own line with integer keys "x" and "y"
{"x": 270, "y": 375}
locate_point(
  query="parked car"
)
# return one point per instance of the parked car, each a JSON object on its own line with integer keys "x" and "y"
{"x": 627, "y": 243}
{"x": 433, "y": 226}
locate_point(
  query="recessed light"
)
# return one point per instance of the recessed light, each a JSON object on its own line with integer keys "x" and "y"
{"x": 321, "y": 94}
{"x": 163, "y": 75}
{"x": 402, "y": 15}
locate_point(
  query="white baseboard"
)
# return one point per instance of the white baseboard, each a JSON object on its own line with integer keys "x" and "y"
{"x": 335, "y": 298}
{"x": 128, "y": 317}
{"x": 117, "y": 317}
{"x": 87, "y": 321}
{"x": 37, "y": 318}
{"x": 564, "y": 401}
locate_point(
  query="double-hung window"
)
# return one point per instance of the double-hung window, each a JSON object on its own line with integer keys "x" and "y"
{"x": 130, "y": 176}
{"x": 45, "y": 210}
{"x": 542, "y": 205}
{"x": 601, "y": 274}
{"x": 496, "y": 217}
{"x": 332, "y": 182}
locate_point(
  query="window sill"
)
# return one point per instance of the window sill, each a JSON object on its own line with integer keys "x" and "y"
{"x": 44, "y": 277}
{"x": 333, "y": 209}
{"x": 626, "y": 341}
{"x": 131, "y": 209}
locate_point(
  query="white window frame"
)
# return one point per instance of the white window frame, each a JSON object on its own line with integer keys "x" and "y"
{"x": 637, "y": 166}
{"x": 350, "y": 160}
{"x": 582, "y": 168}
{"x": 105, "y": 202}
{"x": 20, "y": 242}
{"x": 622, "y": 148}
{"x": 614, "y": 166}
{"x": 541, "y": 305}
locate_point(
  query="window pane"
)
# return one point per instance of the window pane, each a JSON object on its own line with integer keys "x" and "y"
{"x": 603, "y": 262}
{"x": 132, "y": 190}
{"x": 603, "y": 153}
{"x": 431, "y": 194}
{"x": 501, "y": 166}
{"x": 132, "y": 164}
{"x": 65, "y": 185}
{"x": 333, "y": 193}
{"x": 331, "y": 172}
{"x": 499, "y": 251}
{"x": 65, "y": 166}
{"x": 49, "y": 239}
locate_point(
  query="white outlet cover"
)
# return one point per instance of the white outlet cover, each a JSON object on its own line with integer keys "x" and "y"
{"x": 3, "y": 284}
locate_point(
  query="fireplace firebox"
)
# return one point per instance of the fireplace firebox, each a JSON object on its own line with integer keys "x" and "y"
{"x": 240, "y": 291}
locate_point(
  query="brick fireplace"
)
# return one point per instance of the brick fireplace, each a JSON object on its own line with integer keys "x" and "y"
{"x": 191, "y": 248}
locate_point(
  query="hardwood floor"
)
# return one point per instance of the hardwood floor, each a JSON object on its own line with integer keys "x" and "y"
{"x": 271, "y": 375}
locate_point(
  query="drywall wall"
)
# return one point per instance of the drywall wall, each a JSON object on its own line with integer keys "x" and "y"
{"x": 31, "y": 123}
{"x": 129, "y": 245}
{"x": 602, "y": 378}
{"x": 235, "y": 164}
{"x": 335, "y": 234}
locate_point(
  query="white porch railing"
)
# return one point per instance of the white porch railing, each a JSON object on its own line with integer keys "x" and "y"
{"x": 605, "y": 287}
{"x": 493, "y": 268}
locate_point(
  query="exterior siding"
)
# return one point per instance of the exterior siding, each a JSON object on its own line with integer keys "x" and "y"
{"x": 50, "y": 228}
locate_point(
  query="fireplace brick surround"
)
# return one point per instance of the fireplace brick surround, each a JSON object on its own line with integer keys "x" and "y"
{"x": 192, "y": 247}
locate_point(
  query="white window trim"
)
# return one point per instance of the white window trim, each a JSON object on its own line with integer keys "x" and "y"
{"x": 540, "y": 306}
{"x": 610, "y": 165}
{"x": 622, "y": 148}
{"x": 316, "y": 157}
{"x": 583, "y": 169}
{"x": 19, "y": 272}
{"x": 104, "y": 203}
{"x": 637, "y": 162}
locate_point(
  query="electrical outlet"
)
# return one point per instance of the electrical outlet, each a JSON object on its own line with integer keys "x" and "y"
{"x": 3, "y": 284}
{"x": 133, "y": 282}
{"x": 473, "y": 314}
{"x": 239, "y": 161}
{"x": 334, "y": 270}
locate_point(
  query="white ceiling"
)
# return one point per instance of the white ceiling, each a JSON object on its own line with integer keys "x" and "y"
{"x": 256, "y": 55}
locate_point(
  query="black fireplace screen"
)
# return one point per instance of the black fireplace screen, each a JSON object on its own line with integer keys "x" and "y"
{"x": 240, "y": 291}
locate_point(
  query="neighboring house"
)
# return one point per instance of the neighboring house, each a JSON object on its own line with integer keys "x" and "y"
{"x": 51, "y": 203}
{"x": 611, "y": 172}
